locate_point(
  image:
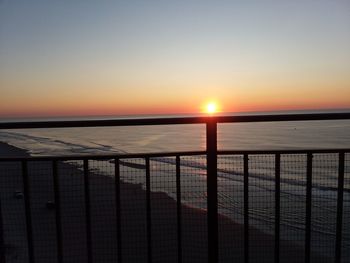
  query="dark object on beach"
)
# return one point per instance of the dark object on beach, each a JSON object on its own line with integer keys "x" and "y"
{"x": 18, "y": 194}
{"x": 50, "y": 205}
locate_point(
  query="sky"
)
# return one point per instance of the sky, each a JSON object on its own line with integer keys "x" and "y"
{"x": 109, "y": 57}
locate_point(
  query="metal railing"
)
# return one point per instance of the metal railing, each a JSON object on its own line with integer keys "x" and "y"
{"x": 212, "y": 154}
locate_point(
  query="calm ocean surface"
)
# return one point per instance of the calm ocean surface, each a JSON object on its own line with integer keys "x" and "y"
{"x": 248, "y": 136}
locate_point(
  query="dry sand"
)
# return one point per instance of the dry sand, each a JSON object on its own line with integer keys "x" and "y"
{"x": 103, "y": 220}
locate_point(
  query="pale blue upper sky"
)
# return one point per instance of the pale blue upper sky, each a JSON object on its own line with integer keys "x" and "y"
{"x": 171, "y": 50}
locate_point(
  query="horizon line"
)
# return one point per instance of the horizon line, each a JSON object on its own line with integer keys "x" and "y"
{"x": 194, "y": 114}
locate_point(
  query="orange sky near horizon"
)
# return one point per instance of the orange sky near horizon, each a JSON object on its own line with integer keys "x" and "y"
{"x": 108, "y": 106}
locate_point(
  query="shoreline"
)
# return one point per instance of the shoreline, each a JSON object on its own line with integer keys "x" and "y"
{"x": 103, "y": 218}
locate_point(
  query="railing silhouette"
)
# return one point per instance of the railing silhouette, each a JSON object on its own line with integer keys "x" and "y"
{"x": 212, "y": 154}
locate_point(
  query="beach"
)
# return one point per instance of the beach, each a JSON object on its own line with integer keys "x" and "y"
{"x": 103, "y": 220}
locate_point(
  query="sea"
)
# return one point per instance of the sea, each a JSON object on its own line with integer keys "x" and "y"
{"x": 330, "y": 134}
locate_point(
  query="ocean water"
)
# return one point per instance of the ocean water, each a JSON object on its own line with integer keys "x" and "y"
{"x": 247, "y": 136}
{"x": 239, "y": 136}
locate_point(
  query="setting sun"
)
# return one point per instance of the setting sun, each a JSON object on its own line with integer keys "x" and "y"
{"x": 211, "y": 108}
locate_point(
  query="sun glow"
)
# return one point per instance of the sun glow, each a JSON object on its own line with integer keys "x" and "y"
{"x": 211, "y": 108}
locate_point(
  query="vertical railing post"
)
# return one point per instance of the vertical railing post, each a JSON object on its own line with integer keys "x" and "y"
{"x": 87, "y": 210}
{"x": 2, "y": 242}
{"x": 339, "y": 208}
{"x": 179, "y": 211}
{"x": 148, "y": 211}
{"x": 26, "y": 192}
{"x": 308, "y": 207}
{"x": 118, "y": 208}
{"x": 212, "y": 191}
{"x": 246, "y": 206}
{"x": 57, "y": 212}
{"x": 277, "y": 206}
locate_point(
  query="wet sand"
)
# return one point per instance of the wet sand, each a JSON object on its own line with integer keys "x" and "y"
{"x": 103, "y": 221}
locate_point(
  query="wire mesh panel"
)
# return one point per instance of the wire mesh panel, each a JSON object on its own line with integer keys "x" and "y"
{"x": 13, "y": 213}
{"x": 42, "y": 210}
{"x": 163, "y": 209}
{"x": 324, "y": 205}
{"x": 103, "y": 210}
{"x": 261, "y": 207}
{"x": 194, "y": 214}
{"x": 230, "y": 203}
{"x": 73, "y": 211}
{"x": 133, "y": 210}
{"x": 293, "y": 206}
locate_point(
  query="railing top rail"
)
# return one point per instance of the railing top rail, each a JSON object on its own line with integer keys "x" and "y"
{"x": 176, "y": 120}
{"x": 290, "y": 151}
{"x": 169, "y": 154}
{"x": 103, "y": 156}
